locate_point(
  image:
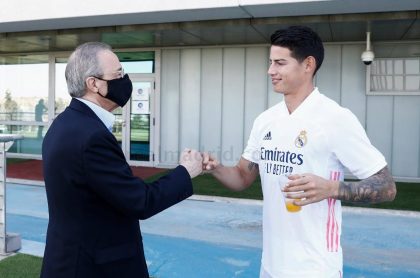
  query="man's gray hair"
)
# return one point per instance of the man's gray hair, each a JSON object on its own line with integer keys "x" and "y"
{"x": 82, "y": 63}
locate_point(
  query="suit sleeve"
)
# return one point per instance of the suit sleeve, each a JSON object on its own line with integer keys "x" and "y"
{"x": 109, "y": 175}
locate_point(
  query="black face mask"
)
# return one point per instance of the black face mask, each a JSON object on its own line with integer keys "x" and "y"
{"x": 119, "y": 90}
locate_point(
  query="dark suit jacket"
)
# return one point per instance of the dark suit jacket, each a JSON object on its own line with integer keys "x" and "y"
{"x": 95, "y": 202}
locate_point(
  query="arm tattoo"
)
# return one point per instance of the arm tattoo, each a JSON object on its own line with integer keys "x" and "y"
{"x": 377, "y": 188}
{"x": 251, "y": 166}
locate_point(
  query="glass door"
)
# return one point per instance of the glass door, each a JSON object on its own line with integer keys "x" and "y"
{"x": 138, "y": 123}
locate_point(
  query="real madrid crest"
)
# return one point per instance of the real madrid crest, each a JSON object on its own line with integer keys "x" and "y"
{"x": 301, "y": 140}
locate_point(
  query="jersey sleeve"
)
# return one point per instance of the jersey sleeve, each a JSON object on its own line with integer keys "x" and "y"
{"x": 252, "y": 150}
{"x": 353, "y": 148}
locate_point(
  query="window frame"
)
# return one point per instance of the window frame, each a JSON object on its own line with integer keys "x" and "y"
{"x": 391, "y": 92}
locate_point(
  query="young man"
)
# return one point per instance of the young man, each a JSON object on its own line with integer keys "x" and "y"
{"x": 310, "y": 139}
{"x": 94, "y": 201}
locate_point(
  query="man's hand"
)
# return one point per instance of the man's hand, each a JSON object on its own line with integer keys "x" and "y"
{"x": 192, "y": 161}
{"x": 309, "y": 188}
{"x": 209, "y": 162}
{"x": 379, "y": 187}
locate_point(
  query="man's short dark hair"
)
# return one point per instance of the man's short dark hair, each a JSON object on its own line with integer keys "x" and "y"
{"x": 302, "y": 42}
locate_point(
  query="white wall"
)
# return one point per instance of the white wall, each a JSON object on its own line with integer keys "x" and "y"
{"x": 211, "y": 96}
{"x": 170, "y": 107}
{"x": 219, "y": 92}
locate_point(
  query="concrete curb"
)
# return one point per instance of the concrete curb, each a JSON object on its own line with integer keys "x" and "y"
{"x": 4, "y": 256}
{"x": 25, "y": 182}
{"x": 405, "y": 213}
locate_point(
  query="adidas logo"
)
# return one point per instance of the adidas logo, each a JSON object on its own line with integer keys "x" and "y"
{"x": 267, "y": 136}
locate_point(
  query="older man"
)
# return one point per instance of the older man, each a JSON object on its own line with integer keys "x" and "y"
{"x": 94, "y": 200}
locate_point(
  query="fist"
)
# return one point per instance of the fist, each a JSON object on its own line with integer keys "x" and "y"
{"x": 209, "y": 162}
{"x": 192, "y": 161}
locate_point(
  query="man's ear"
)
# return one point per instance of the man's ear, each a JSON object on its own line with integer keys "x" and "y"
{"x": 91, "y": 84}
{"x": 310, "y": 64}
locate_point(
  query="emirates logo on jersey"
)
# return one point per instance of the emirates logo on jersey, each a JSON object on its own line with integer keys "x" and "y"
{"x": 301, "y": 140}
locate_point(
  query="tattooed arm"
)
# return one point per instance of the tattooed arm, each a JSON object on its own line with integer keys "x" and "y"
{"x": 236, "y": 178}
{"x": 377, "y": 188}
{"x": 308, "y": 188}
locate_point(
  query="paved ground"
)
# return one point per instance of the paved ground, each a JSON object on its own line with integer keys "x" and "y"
{"x": 221, "y": 237}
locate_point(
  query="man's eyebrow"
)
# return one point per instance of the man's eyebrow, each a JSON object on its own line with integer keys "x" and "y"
{"x": 278, "y": 60}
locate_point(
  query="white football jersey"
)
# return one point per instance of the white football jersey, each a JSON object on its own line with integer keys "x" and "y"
{"x": 319, "y": 137}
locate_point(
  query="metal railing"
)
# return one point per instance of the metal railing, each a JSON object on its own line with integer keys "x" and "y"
{"x": 8, "y": 242}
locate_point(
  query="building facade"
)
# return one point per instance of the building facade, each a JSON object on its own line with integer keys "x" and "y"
{"x": 199, "y": 70}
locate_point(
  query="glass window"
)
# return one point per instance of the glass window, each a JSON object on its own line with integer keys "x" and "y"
{"x": 24, "y": 100}
{"x": 412, "y": 83}
{"x": 117, "y": 128}
{"x": 62, "y": 97}
{"x": 412, "y": 66}
{"x": 399, "y": 83}
{"x": 140, "y": 121}
{"x": 137, "y": 62}
{"x": 32, "y": 141}
{"x": 24, "y": 88}
{"x": 398, "y": 66}
{"x": 394, "y": 76}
